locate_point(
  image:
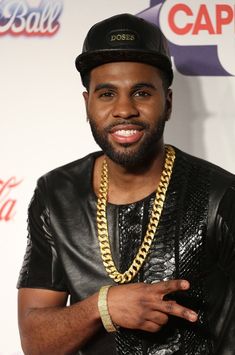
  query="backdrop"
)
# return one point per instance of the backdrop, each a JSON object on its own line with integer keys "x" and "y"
{"x": 43, "y": 121}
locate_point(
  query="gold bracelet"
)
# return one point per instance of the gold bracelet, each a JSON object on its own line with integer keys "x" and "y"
{"x": 103, "y": 309}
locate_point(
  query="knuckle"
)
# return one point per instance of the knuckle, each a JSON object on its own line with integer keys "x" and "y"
{"x": 170, "y": 305}
{"x": 167, "y": 284}
{"x": 164, "y": 319}
{"x": 161, "y": 320}
{"x": 142, "y": 315}
{"x": 140, "y": 324}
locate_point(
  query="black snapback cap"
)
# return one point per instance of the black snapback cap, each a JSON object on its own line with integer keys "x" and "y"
{"x": 124, "y": 37}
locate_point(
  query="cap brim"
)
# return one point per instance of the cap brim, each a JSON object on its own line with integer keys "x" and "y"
{"x": 87, "y": 61}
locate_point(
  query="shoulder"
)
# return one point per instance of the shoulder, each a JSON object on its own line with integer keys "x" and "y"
{"x": 221, "y": 187}
{"x": 75, "y": 171}
{"x": 74, "y": 167}
{"x": 218, "y": 175}
{"x": 70, "y": 182}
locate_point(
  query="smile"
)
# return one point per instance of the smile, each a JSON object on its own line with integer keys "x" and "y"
{"x": 126, "y": 133}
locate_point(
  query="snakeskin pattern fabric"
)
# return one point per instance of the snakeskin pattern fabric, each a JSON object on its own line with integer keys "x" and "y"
{"x": 179, "y": 240}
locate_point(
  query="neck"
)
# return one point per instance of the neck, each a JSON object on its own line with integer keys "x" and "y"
{"x": 128, "y": 185}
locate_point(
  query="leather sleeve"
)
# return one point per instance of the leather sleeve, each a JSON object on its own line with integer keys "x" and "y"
{"x": 41, "y": 266}
{"x": 225, "y": 229}
{"x": 222, "y": 285}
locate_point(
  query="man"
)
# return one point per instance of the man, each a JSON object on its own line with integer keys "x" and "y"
{"x": 140, "y": 236}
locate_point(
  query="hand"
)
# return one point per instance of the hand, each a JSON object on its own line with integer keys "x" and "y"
{"x": 142, "y": 306}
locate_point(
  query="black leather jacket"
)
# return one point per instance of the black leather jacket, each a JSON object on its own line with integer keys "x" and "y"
{"x": 198, "y": 216}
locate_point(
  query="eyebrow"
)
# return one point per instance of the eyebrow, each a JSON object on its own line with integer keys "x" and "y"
{"x": 137, "y": 86}
{"x": 104, "y": 86}
{"x": 144, "y": 85}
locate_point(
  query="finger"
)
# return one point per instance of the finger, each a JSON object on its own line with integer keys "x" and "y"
{"x": 165, "y": 287}
{"x": 151, "y": 327}
{"x": 174, "y": 309}
{"x": 157, "y": 317}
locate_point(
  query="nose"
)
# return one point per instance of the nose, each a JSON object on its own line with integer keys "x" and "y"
{"x": 125, "y": 107}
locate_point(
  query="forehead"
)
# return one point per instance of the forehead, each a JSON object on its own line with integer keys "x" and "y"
{"x": 124, "y": 73}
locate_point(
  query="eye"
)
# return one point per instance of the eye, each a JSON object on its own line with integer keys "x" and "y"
{"x": 106, "y": 94}
{"x": 141, "y": 93}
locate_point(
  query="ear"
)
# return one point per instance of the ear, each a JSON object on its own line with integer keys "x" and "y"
{"x": 168, "y": 104}
{"x": 85, "y": 95}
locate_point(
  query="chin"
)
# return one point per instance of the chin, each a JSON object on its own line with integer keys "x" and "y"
{"x": 130, "y": 158}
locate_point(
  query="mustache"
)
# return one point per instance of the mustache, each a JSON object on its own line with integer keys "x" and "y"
{"x": 126, "y": 123}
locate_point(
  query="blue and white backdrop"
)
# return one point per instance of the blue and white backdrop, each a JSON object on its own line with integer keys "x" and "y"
{"x": 43, "y": 122}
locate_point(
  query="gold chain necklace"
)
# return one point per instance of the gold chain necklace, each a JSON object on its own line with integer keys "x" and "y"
{"x": 102, "y": 226}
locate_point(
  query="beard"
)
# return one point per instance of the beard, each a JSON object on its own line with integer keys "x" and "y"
{"x": 129, "y": 155}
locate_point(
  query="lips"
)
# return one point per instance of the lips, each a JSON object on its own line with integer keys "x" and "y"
{"x": 124, "y": 134}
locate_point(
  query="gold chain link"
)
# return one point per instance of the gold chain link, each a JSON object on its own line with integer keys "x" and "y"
{"x": 102, "y": 225}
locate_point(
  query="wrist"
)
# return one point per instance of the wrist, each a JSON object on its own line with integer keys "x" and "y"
{"x": 104, "y": 311}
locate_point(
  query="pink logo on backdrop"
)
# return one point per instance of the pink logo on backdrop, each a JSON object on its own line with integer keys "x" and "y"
{"x": 7, "y": 203}
{"x": 30, "y": 18}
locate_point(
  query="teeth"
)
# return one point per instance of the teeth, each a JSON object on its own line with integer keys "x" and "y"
{"x": 126, "y": 133}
